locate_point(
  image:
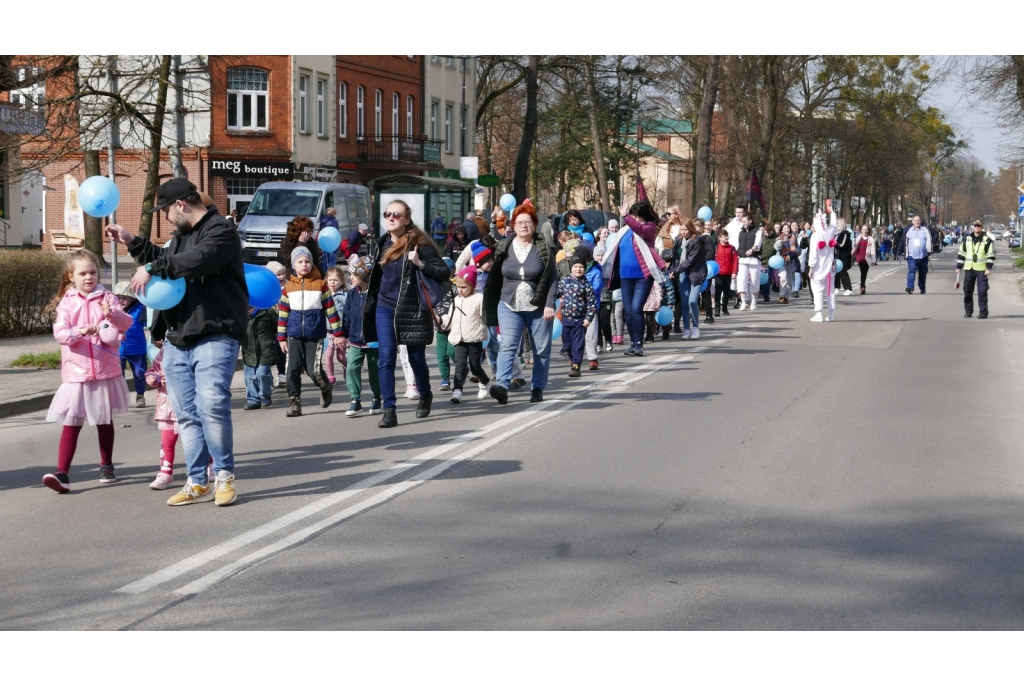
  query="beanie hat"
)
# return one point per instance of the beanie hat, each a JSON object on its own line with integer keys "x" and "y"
{"x": 584, "y": 253}
{"x": 301, "y": 251}
{"x": 275, "y": 266}
{"x": 481, "y": 254}
{"x": 576, "y": 259}
{"x": 468, "y": 274}
{"x": 357, "y": 267}
{"x": 613, "y": 222}
{"x": 599, "y": 250}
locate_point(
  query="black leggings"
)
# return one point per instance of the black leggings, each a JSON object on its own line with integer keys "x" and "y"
{"x": 863, "y": 272}
{"x": 470, "y": 352}
{"x": 844, "y": 278}
{"x": 604, "y": 320}
{"x": 722, "y": 294}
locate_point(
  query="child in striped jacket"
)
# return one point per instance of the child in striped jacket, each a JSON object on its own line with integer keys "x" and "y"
{"x": 305, "y": 313}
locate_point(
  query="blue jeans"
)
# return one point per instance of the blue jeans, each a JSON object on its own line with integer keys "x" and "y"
{"x": 138, "y": 364}
{"x": 920, "y": 267}
{"x": 493, "y": 346}
{"x": 199, "y": 386}
{"x": 689, "y": 295}
{"x": 258, "y": 384}
{"x": 513, "y": 325}
{"x": 635, "y": 292}
{"x": 387, "y": 347}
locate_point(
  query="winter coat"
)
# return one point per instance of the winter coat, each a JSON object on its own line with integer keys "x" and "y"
{"x": 352, "y": 317}
{"x": 594, "y": 278}
{"x": 88, "y": 358}
{"x": 579, "y": 303}
{"x": 467, "y": 320}
{"x": 209, "y": 257}
{"x": 768, "y": 247}
{"x": 259, "y": 347}
{"x": 413, "y": 323}
{"x": 496, "y": 280}
{"x": 134, "y": 342}
{"x": 693, "y": 263}
{"x": 306, "y": 309}
{"x": 728, "y": 260}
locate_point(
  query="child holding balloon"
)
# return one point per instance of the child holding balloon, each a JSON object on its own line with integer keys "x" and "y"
{"x": 89, "y": 325}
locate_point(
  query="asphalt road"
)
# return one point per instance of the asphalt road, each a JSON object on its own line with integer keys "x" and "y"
{"x": 776, "y": 474}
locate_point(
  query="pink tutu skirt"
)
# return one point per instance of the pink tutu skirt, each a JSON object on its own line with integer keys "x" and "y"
{"x": 96, "y": 401}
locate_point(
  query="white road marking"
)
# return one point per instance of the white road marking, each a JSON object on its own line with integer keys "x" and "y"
{"x": 195, "y": 561}
{"x": 883, "y": 275}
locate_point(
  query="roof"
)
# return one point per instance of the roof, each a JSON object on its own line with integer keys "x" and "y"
{"x": 412, "y": 181}
{"x": 660, "y": 154}
{"x": 679, "y": 127}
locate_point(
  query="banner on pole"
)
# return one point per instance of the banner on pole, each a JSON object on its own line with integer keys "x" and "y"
{"x": 74, "y": 222}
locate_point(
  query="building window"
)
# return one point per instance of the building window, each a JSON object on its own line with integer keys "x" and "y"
{"x": 360, "y": 112}
{"x": 378, "y": 104}
{"x": 395, "y": 118}
{"x": 448, "y": 61}
{"x": 434, "y": 106}
{"x": 32, "y": 96}
{"x": 247, "y": 98}
{"x": 321, "y": 108}
{"x": 448, "y": 129}
{"x": 342, "y": 109}
{"x": 408, "y": 116}
{"x": 435, "y": 59}
{"x": 303, "y": 90}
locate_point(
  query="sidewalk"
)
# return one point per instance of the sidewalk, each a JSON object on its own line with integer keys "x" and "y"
{"x": 26, "y": 390}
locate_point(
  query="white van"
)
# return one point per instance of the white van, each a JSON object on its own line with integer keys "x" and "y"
{"x": 265, "y": 223}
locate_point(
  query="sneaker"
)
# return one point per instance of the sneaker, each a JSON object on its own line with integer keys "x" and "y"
{"x": 910, "y": 291}
{"x": 57, "y": 481}
{"x": 783, "y": 300}
{"x": 694, "y": 333}
{"x": 445, "y": 386}
{"x": 847, "y": 292}
{"x": 281, "y": 380}
{"x": 631, "y": 351}
{"x": 817, "y": 318}
{"x": 162, "y": 481}
{"x": 483, "y": 391}
{"x": 709, "y": 319}
{"x": 140, "y": 401}
{"x": 830, "y": 318}
{"x": 423, "y": 407}
{"x": 355, "y": 408}
{"x": 686, "y": 334}
{"x": 753, "y": 304}
{"x": 863, "y": 289}
{"x": 968, "y": 316}
{"x": 191, "y": 493}
{"x": 390, "y": 418}
{"x": 537, "y": 395}
{"x": 294, "y": 407}
{"x": 499, "y": 393}
{"x": 326, "y": 397}
{"x": 982, "y": 316}
{"x": 574, "y": 371}
{"x": 252, "y": 405}
{"x": 456, "y": 396}
{"x": 266, "y": 403}
{"x": 593, "y": 365}
{"x": 639, "y": 352}
{"x": 376, "y": 406}
{"x": 725, "y": 311}
{"x": 743, "y": 305}
{"x": 225, "y": 484}
{"x": 517, "y": 383}
{"x": 107, "y": 473}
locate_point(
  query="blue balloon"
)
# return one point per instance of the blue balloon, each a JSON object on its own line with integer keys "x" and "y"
{"x": 839, "y": 265}
{"x": 556, "y": 329}
{"x": 776, "y": 261}
{"x": 507, "y": 202}
{"x": 558, "y": 304}
{"x": 329, "y": 239}
{"x": 704, "y": 286}
{"x": 450, "y": 262}
{"x": 161, "y": 294}
{"x": 664, "y": 316}
{"x": 704, "y": 213}
{"x": 764, "y": 277}
{"x": 264, "y": 288}
{"x": 373, "y": 345}
{"x": 947, "y": 241}
{"x": 713, "y": 269}
{"x": 151, "y": 351}
{"x": 98, "y": 196}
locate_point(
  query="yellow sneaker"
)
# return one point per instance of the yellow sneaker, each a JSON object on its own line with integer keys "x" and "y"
{"x": 191, "y": 493}
{"x": 225, "y": 488}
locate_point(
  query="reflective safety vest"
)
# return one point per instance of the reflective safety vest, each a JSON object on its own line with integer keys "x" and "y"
{"x": 975, "y": 254}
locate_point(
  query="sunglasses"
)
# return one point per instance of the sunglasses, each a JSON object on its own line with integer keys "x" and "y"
{"x": 393, "y": 215}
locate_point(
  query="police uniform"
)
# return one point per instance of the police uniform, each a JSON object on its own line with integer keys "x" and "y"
{"x": 977, "y": 255}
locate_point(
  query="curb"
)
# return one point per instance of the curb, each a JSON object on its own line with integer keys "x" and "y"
{"x": 24, "y": 405}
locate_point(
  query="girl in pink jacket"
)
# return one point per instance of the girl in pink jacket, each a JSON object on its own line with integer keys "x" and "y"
{"x": 90, "y": 323}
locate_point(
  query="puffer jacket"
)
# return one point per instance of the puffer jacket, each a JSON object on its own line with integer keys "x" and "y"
{"x": 134, "y": 342}
{"x": 413, "y": 324}
{"x": 306, "y": 309}
{"x": 87, "y": 358}
{"x": 467, "y": 320}
{"x": 259, "y": 347}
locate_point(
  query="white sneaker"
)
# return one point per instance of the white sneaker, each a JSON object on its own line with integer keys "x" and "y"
{"x": 411, "y": 393}
{"x": 281, "y": 380}
{"x": 686, "y": 334}
{"x": 162, "y": 482}
{"x": 695, "y": 334}
{"x": 847, "y": 292}
{"x": 753, "y": 304}
{"x": 817, "y": 317}
{"x": 484, "y": 391}
{"x": 456, "y": 396}
{"x": 830, "y": 318}
{"x": 743, "y": 305}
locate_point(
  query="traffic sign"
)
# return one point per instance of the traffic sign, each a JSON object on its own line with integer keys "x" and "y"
{"x": 1020, "y": 189}
{"x": 492, "y": 180}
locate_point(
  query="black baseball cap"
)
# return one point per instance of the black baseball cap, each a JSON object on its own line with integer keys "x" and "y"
{"x": 172, "y": 191}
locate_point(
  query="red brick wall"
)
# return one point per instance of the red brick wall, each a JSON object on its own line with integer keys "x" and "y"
{"x": 391, "y": 74}
{"x": 276, "y": 143}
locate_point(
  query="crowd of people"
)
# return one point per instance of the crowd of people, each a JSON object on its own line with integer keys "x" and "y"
{"x": 492, "y": 301}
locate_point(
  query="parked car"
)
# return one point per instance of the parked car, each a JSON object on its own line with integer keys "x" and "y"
{"x": 275, "y": 204}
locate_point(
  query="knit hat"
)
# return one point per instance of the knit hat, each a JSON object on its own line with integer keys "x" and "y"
{"x": 357, "y": 267}
{"x": 301, "y": 251}
{"x": 275, "y": 266}
{"x": 599, "y": 250}
{"x": 613, "y": 222}
{"x": 468, "y": 273}
{"x": 584, "y": 253}
{"x": 481, "y": 254}
{"x": 576, "y": 259}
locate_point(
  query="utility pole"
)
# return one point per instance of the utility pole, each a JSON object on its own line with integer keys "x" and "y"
{"x": 111, "y": 143}
{"x": 174, "y": 150}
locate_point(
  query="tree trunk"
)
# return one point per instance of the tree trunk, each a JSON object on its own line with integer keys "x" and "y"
{"x": 174, "y": 149}
{"x": 93, "y": 224}
{"x": 769, "y": 112}
{"x": 704, "y": 194}
{"x": 595, "y": 133}
{"x": 155, "y": 144}
{"x": 529, "y": 131}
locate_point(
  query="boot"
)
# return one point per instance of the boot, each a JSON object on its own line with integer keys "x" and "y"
{"x": 709, "y": 319}
{"x": 575, "y": 372}
{"x": 718, "y": 310}
{"x": 326, "y": 396}
{"x": 390, "y": 418}
{"x": 294, "y": 407}
{"x": 423, "y": 410}
{"x": 664, "y": 332}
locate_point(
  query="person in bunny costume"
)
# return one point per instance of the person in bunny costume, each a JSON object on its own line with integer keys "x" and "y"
{"x": 821, "y": 265}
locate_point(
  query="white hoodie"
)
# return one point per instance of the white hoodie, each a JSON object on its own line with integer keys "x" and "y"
{"x": 820, "y": 260}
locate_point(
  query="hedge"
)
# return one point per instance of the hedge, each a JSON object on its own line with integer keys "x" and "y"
{"x": 28, "y": 281}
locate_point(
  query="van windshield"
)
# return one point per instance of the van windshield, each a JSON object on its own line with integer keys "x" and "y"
{"x": 285, "y": 202}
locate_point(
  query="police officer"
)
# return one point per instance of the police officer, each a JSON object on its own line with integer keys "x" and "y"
{"x": 977, "y": 255}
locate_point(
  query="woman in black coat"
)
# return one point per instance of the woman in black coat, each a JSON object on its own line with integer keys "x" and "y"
{"x": 844, "y": 252}
{"x": 393, "y": 314}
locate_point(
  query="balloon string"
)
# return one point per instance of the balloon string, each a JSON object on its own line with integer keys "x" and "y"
{"x": 141, "y": 370}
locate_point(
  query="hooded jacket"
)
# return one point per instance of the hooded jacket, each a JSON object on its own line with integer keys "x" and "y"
{"x": 209, "y": 257}
{"x": 306, "y": 309}
{"x": 259, "y": 348}
{"x": 134, "y": 342}
{"x": 88, "y": 358}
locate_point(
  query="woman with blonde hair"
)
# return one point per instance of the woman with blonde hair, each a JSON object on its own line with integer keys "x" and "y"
{"x": 692, "y": 270}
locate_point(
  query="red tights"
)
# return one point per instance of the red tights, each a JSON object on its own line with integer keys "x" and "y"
{"x": 168, "y": 440}
{"x": 69, "y": 442}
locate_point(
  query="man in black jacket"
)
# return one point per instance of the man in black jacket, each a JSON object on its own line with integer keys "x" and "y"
{"x": 204, "y": 330}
